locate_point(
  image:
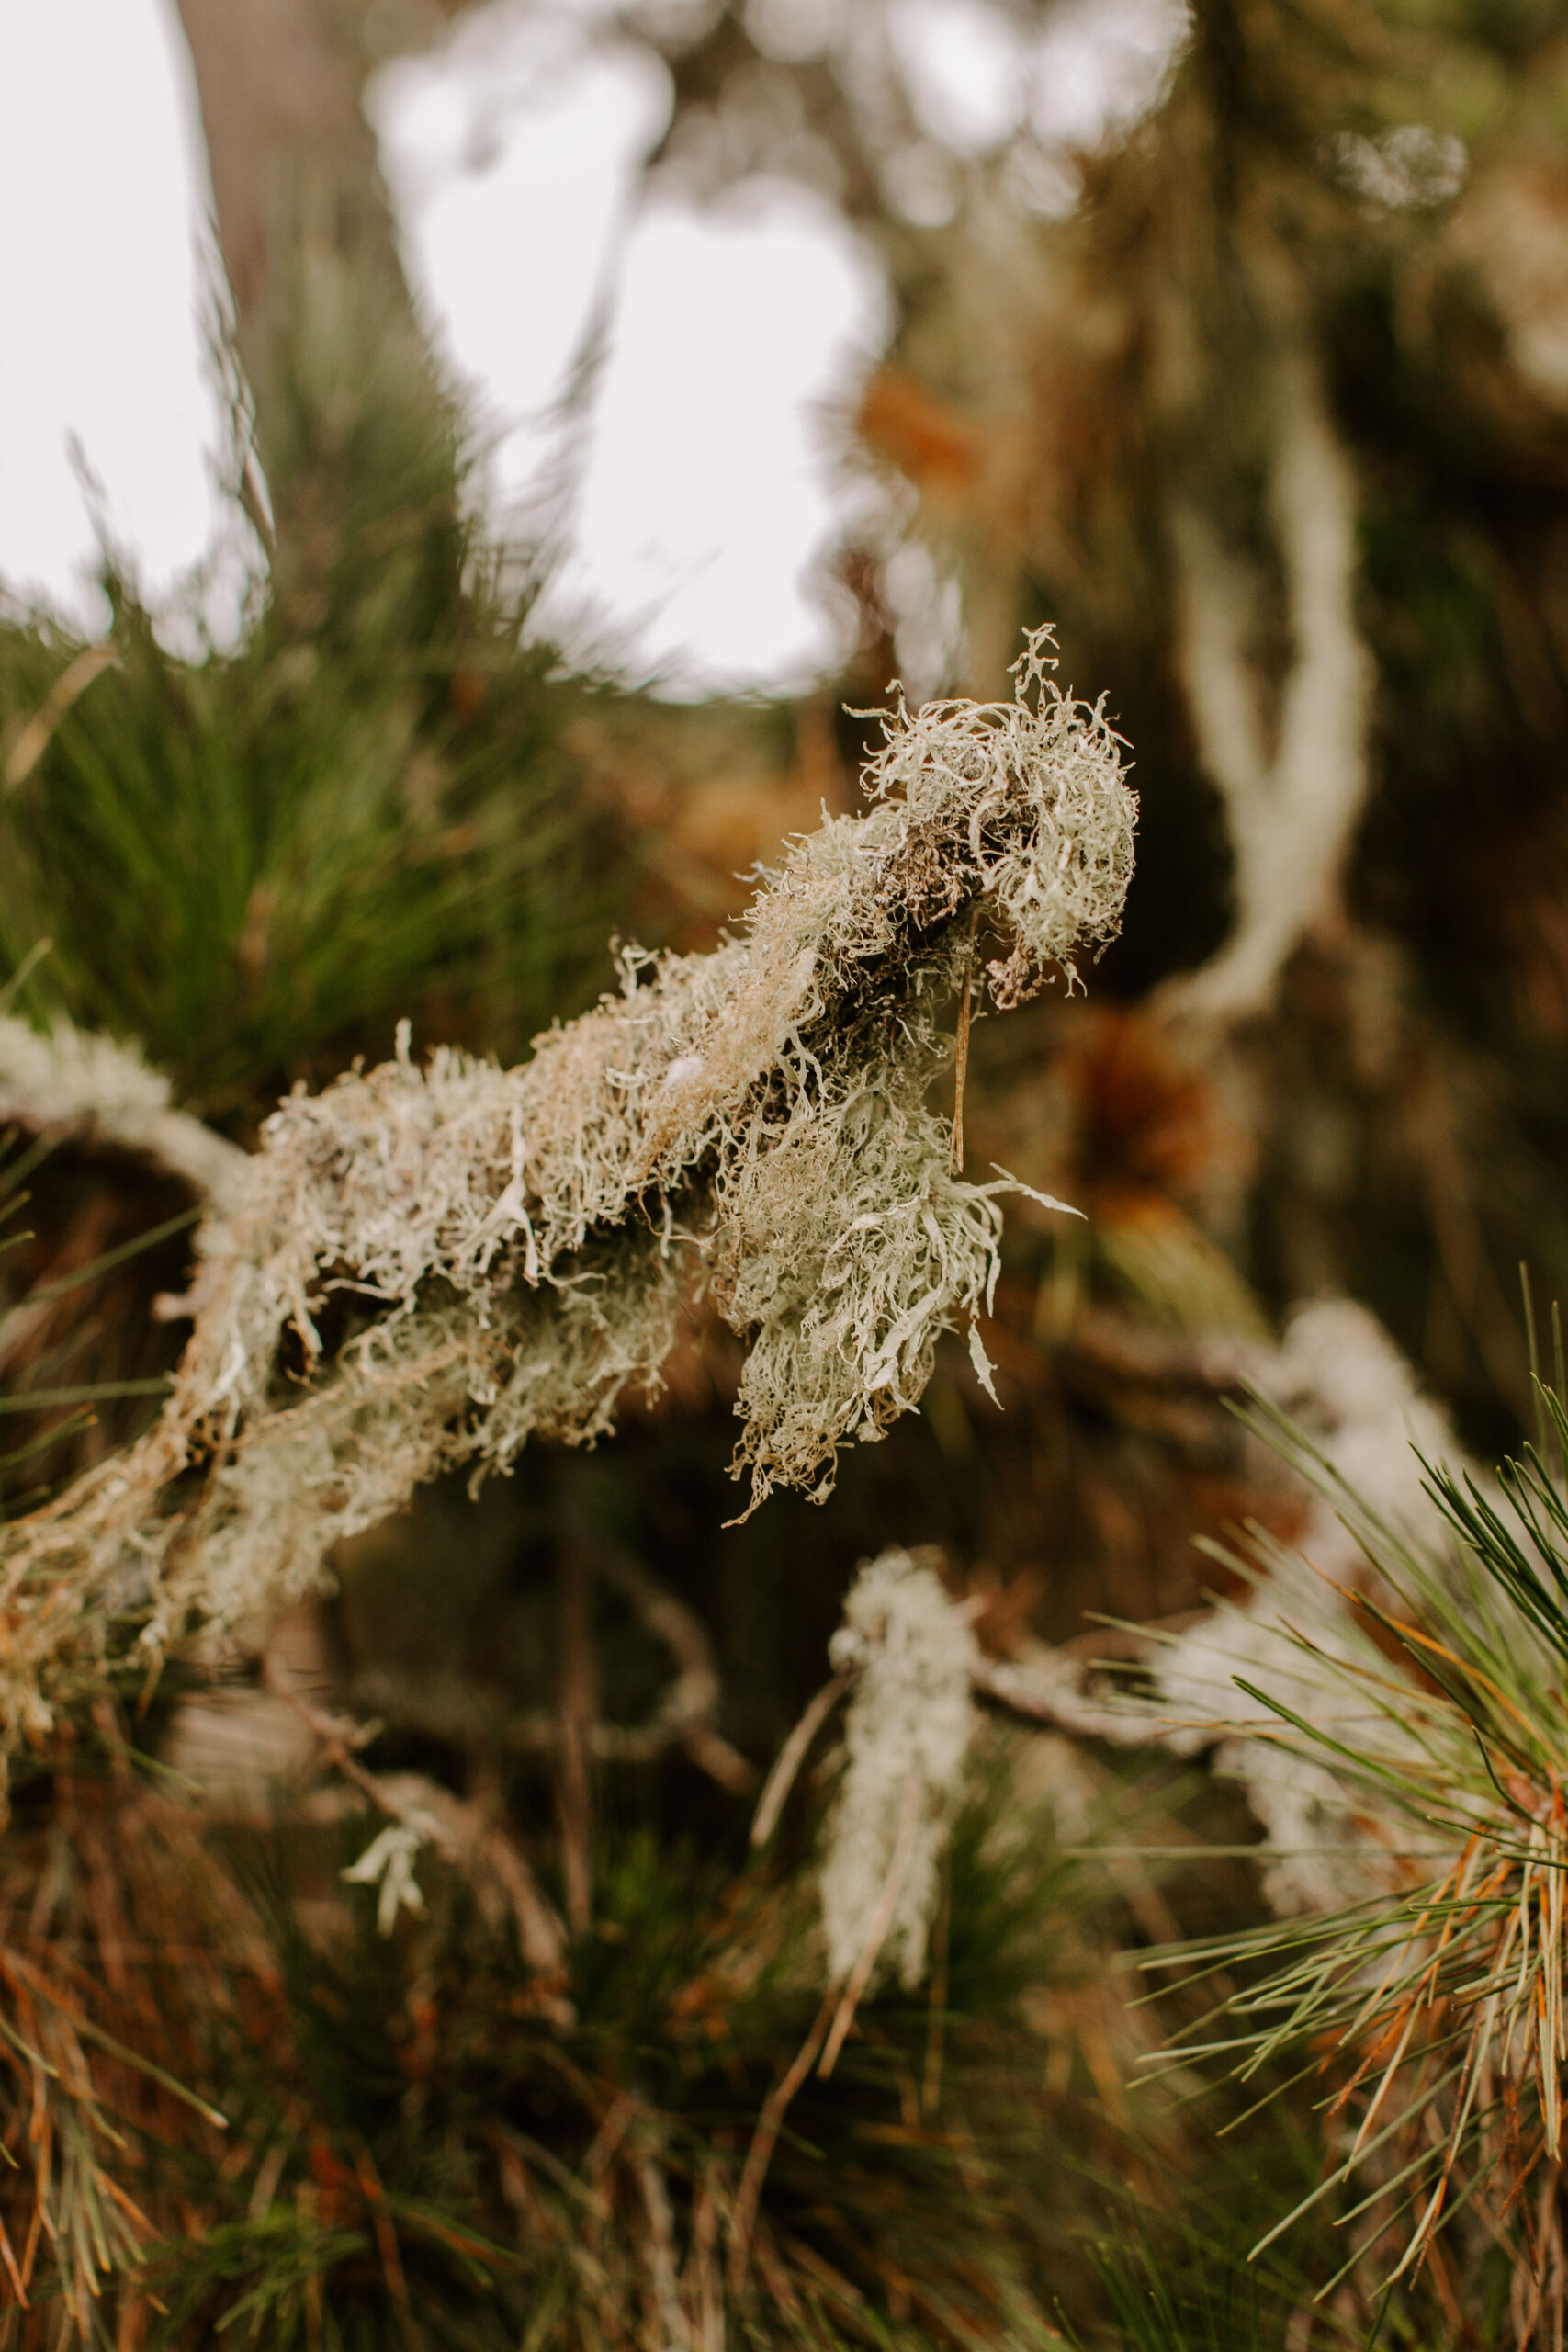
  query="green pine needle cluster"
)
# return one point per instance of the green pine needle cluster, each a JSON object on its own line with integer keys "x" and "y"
{"x": 254, "y": 860}
{"x": 1427, "y": 2015}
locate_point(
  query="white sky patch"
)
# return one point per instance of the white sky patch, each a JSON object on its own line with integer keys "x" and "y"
{"x": 791, "y": 30}
{"x": 975, "y": 73}
{"x": 512, "y": 158}
{"x": 708, "y": 497}
{"x": 702, "y": 492}
{"x": 1100, "y": 64}
{"x": 700, "y": 496}
{"x": 967, "y": 69}
{"x": 103, "y": 192}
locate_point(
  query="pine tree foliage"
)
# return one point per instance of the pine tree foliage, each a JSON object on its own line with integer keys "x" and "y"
{"x": 237, "y": 2108}
{"x": 1432, "y": 2006}
{"x": 253, "y": 863}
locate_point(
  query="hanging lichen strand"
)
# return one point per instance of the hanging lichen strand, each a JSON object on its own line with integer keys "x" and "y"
{"x": 504, "y": 1251}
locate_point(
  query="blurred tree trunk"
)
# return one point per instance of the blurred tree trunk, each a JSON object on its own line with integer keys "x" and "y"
{"x": 280, "y": 84}
{"x": 357, "y": 438}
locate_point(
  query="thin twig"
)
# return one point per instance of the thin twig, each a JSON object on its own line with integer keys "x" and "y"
{"x": 770, "y": 2121}
{"x": 930, "y": 2085}
{"x": 687, "y": 1711}
{"x": 961, "y": 1078}
{"x": 576, "y": 1698}
{"x": 463, "y": 1836}
{"x": 792, "y": 1756}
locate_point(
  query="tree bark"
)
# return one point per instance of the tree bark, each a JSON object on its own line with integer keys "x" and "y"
{"x": 279, "y": 83}
{"x": 354, "y": 430}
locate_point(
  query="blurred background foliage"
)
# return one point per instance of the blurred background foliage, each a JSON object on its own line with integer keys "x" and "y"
{"x": 1263, "y": 402}
{"x": 254, "y": 863}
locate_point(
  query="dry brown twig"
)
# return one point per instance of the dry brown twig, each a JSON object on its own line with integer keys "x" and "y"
{"x": 684, "y": 1716}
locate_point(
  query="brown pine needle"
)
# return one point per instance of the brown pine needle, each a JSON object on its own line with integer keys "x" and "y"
{"x": 578, "y": 1708}
{"x": 758, "y": 2155}
{"x": 385, "y": 2238}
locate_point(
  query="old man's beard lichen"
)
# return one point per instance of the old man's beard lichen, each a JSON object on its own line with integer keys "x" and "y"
{"x": 422, "y": 1268}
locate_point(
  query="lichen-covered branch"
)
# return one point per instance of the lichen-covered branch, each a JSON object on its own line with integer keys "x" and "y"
{"x": 426, "y": 1267}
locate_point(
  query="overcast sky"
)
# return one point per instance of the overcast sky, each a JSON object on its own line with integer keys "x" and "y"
{"x": 706, "y": 495}
{"x": 709, "y": 486}
{"x": 706, "y": 483}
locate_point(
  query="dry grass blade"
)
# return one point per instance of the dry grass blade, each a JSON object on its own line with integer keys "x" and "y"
{"x": 792, "y": 1756}
{"x": 765, "y": 2139}
{"x": 33, "y": 740}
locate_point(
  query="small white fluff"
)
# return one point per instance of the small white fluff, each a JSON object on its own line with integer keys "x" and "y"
{"x": 908, "y": 1732}
{"x": 387, "y": 1864}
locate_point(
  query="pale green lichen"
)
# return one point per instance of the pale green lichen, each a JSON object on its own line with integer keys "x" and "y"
{"x": 424, "y": 1267}
{"x": 906, "y": 1738}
